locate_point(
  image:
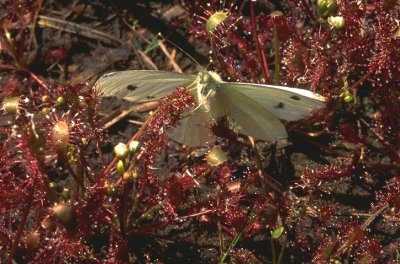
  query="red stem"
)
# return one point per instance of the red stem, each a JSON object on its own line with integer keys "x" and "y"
{"x": 19, "y": 231}
{"x": 78, "y": 179}
{"x": 382, "y": 140}
{"x": 357, "y": 83}
{"x": 260, "y": 50}
{"x": 308, "y": 9}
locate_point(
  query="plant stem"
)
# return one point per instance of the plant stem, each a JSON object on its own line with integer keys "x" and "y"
{"x": 122, "y": 213}
{"x": 219, "y": 225}
{"x": 19, "y": 231}
{"x": 308, "y": 9}
{"x": 112, "y": 164}
{"x": 147, "y": 214}
{"x": 273, "y": 250}
{"x": 277, "y": 57}
{"x": 76, "y": 178}
{"x": 252, "y": 216}
{"x": 260, "y": 50}
{"x": 381, "y": 139}
{"x": 231, "y": 246}
{"x": 280, "y": 257}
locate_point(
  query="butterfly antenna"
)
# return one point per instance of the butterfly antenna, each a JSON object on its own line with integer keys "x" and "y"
{"x": 176, "y": 46}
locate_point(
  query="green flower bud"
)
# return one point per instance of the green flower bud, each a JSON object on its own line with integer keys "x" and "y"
{"x": 65, "y": 214}
{"x": 121, "y": 151}
{"x": 120, "y": 167}
{"x": 134, "y": 146}
{"x": 326, "y": 8}
{"x": 336, "y": 22}
{"x": 71, "y": 154}
{"x": 60, "y": 100}
{"x": 112, "y": 190}
{"x": 32, "y": 240}
{"x": 66, "y": 193}
{"x": 53, "y": 185}
{"x": 56, "y": 187}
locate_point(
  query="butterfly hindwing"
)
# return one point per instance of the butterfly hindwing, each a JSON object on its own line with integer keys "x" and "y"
{"x": 252, "y": 118}
{"x": 192, "y": 131}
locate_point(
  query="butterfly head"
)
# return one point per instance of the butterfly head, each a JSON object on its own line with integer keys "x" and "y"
{"x": 208, "y": 82}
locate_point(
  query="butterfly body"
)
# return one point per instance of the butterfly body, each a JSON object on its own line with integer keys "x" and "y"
{"x": 206, "y": 85}
{"x": 256, "y": 109}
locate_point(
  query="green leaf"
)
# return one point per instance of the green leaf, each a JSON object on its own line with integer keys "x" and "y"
{"x": 277, "y": 233}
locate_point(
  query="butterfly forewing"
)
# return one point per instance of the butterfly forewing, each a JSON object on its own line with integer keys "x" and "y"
{"x": 141, "y": 86}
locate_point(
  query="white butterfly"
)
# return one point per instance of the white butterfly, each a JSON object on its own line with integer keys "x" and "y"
{"x": 255, "y": 108}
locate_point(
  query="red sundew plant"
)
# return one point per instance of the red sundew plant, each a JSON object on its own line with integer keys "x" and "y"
{"x": 347, "y": 61}
{"x": 63, "y": 199}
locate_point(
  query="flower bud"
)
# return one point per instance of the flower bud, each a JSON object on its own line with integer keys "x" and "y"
{"x": 134, "y": 146}
{"x": 60, "y": 136}
{"x": 60, "y": 100}
{"x": 47, "y": 224}
{"x": 65, "y": 193}
{"x": 130, "y": 175}
{"x": 121, "y": 151}
{"x": 65, "y": 214}
{"x": 45, "y": 110}
{"x": 276, "y": 13}
{"x": 32, "y": 240}
{"x": 55, "y": 186}
{"x": 45, "y": 99}
{"x": 326, "y": 8}
{"x": 120, "y": 167}
{"x": 112, "y": 190}
{"x": 336, "y": 22}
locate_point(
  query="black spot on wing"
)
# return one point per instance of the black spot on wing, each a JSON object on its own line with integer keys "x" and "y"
{"x": 131, "y": 87}
{"x": 280, "y": 105}
{"x": 295, "y": 97}
{"x": 150, "y": 97}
